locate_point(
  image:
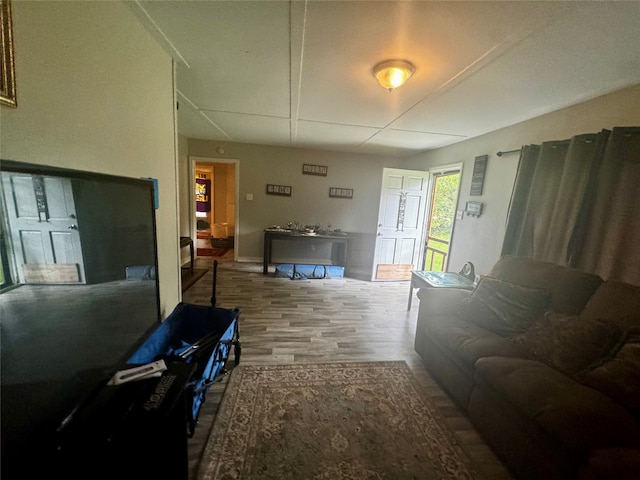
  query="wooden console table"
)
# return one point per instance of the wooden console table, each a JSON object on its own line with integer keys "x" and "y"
{"x": 426, "y": 279}
{"x": 340, "y": 241}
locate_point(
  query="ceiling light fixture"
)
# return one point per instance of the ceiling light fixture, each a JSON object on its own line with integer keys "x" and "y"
{"x": 393, "y": 73}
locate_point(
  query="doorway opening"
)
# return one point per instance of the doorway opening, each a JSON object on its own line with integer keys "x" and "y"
{"x": 214, "y": 207}
{"x": 442, "y": 214}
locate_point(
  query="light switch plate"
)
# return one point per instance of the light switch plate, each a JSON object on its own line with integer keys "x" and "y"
{"x": 459, "y": 214}
{"x": 249, "y": 196}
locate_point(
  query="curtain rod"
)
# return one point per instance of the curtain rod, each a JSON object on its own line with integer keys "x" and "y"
{"x": 509, "y": 151}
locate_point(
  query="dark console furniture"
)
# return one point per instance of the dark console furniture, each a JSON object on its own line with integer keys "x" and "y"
{"x": 339, "y": 244}
{"x": 133, "y": 430}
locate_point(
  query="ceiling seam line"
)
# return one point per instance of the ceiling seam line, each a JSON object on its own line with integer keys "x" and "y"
{"x": 294, "y": 119}
{"x": 201, "y": 113}
{"x": 159, "y": 30}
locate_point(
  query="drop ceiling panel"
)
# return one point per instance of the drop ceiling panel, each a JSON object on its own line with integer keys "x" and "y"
{"x": 300, "y": 73}
{"x": 236, "y": 54}
{"x": 412, "y": 141}
{"x": 252, "y": 128}
{"x": 336, "y": 136}
{"x": 536, "y": 77}
{"x": 344, "y": 40}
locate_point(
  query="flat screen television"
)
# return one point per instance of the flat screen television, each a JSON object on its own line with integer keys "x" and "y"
{"x": 80, "y": 294}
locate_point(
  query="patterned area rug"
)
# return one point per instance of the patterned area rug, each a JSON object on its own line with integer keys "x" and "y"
{"x": 335, "y": 421}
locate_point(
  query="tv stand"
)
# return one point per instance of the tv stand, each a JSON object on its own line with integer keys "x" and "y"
{"x": 134, "y": 430}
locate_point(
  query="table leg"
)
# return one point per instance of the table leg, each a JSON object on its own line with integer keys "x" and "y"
{"x": 266, "y": 255}
{"x": 410, "y": 294}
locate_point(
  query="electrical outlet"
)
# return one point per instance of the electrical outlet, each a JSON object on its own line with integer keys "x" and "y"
{"x": 459, "y": 214}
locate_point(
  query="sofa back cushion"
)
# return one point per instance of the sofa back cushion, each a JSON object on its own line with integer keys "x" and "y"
{"x": 502, "y": 307}
{"x": 615, "y": 301}
{"x": 570, "y": 343}
{"x": 570, "y": 288}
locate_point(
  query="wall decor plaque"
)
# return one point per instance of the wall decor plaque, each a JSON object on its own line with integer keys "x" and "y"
{"x": 336, "y": 192}
{"x": 320, "y": 170}
{"x": 477, "y": 180}
{"x": 282, "y": 190}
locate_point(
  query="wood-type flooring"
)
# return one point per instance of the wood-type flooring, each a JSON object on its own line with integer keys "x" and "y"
{"x": 285, "y": 321}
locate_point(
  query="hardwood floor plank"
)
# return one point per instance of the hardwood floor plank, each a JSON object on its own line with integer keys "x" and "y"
{"x": 310, "y": 321}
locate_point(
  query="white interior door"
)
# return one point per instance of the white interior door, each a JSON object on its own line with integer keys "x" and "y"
{"x": 400, "y": 229}
{"x": 44, "y": 228}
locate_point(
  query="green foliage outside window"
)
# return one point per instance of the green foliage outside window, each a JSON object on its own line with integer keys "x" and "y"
{"x": 442, "y": 217}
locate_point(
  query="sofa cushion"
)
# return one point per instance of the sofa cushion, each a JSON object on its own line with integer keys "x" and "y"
{"x": 615, "y": 301}
{"x": 570, "y": 288}
{"x": 569, "y": 343}
{"x": 502, "y": 307}
{"x": 468, "y": 342}
{"x": 579, "y": 416}
{"x": 618, "y": 376}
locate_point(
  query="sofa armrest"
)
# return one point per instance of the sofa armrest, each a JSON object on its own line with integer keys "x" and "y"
{"x": 441, "y": 301}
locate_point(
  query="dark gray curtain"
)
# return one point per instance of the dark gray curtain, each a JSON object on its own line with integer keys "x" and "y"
{"x": 575, "y": 202}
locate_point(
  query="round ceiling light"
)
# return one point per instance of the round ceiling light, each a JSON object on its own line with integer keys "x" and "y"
{"x": 393, "y": 73}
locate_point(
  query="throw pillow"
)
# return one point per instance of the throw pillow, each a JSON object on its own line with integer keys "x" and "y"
{"x": 619, "y": 375}
{"x": 570, "y": 343}
{"x": 504, "y": 308}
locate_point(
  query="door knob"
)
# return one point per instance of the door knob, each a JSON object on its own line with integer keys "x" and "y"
{"x": 73, "y": 227}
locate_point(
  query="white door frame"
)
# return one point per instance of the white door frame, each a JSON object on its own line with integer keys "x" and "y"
{"x": 192, "y": 196}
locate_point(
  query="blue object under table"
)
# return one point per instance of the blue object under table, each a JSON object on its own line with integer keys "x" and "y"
{"x": 303, "y": 272}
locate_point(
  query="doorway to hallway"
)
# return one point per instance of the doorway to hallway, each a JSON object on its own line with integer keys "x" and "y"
{"x": 213, "y": 204}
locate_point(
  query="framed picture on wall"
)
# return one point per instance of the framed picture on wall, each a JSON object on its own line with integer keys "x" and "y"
{"x": 320, "y": 170}
{"x": 7, "y": 68}
{"x": 282, "y": 190}
{"x": 337, "y": 192}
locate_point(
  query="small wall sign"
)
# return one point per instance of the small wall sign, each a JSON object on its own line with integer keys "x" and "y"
{"x": 477, "y": 180}
{"x": 320, "y": 170}
{"x": 335, "y": 192}
{"x": 282, "y": 190}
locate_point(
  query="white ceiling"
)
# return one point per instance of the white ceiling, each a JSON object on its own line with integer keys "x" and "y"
{"x": 299, "y": 73}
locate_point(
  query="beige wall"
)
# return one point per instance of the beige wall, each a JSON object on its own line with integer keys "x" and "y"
{"x": 309, "y": 202}
{"x": 480, "y": 239}
{"x": 95, "y": 93}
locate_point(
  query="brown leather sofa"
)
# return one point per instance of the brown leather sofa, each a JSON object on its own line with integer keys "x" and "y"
{"x": 545, "y": 361}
